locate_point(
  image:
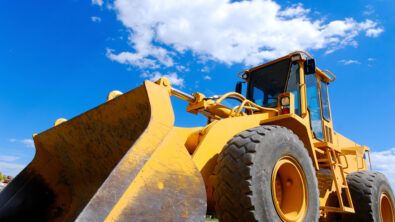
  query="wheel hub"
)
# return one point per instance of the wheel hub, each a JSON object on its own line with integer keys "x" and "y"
{"x": 289, "y": 190}
{"x": 386, "y": 208}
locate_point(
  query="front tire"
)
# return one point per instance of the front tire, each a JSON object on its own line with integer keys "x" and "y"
{"x": 372, "y": 196}
{"x": 266, "y": 174}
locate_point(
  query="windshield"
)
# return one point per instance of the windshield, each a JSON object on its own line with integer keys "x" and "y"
{"x": 268, "y": 82}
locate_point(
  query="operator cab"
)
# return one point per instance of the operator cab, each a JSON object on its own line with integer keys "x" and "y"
{"x": 265, "y": 84}
{"x": 270, "y": 83}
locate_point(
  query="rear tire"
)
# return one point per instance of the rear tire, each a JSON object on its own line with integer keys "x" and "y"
{"x": 246, "y": 188}
{"x": 372, "y": 196}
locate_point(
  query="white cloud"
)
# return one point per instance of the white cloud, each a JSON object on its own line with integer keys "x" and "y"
{"x": 349, "y": 61}
{"x": 173, "y": 78}
{"x": 96, "y": 19}
{"x": 371, "y": 59}
{"x": 205, "y": 69}
{"x": 247, "y": 32}
{"x": 294, "y": 10}
{"x": 384, "y": 161}
{"x": 8, "y": 158}
{"x": 207, "y": 77}
{"x": 133, "y": 59}
{"x": 97, "y": 2}
{"x": 374, "y": 32}
{"x": 182, "y": 68}
{"x": 11, "y": 169}
{"x": 27, "y": 142}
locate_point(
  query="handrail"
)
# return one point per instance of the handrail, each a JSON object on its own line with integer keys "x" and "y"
{"x": 113, "y": 94}
{"x": 333, "y": 76}
{"x": 370, "y": 162}
{"x": 327, "y": 71}
{"x": 240, "y": 76}
{"x": 307, "y": 54}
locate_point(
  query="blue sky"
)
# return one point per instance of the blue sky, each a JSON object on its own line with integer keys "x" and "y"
{"x": 61, "y": 58}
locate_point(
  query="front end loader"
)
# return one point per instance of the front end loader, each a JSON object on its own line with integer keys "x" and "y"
{"x": 273, "y": 157}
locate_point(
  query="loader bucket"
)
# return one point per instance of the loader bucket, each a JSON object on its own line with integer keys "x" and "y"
{"x": 122, "y": 160}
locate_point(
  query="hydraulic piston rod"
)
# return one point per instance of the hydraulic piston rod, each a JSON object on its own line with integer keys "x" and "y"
{"x": 182, "y": 95}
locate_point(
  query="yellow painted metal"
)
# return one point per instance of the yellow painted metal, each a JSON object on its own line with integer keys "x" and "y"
{"x": 165, "y": 182}
{"x": 59, "y": 121}
{"x": 329, "y": 72}
{"x": 113, "y": 94}
{"x": 190, "y": 137}
{"x": 343, "y": 142}
{"x": 289, "y": 190}
{"x": 303, "y": 90}
{"x": 387, "y": 213}
{"x": 354, "y": 157}
{"x": 216, "y": 135}
{"x": 120, "y": 160}
{"x": 291, "y": 101}
{"x": 339, "y": 180}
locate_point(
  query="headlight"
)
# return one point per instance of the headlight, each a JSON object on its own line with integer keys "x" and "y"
{"x": 295, "y": 58}
{"x": 285, "y": 101}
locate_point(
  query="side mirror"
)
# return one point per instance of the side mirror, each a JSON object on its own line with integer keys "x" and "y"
{"x": 309, "y": 66}
{"x": 239, "y": 87}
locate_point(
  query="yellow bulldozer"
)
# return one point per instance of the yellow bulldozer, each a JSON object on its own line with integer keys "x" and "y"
{"x": 273, "y": 157}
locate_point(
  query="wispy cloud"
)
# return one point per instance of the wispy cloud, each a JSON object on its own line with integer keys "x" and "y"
{"x": 173, "y": 77}
{"x": 216, "y": 30}
{"x": 96, "y": 19}
{"x": 374, "y": 32}
{"x": 139, "y": 60}
{"x": 371, "y": 59}
{"x": 384, "y": 161}
{"x": 349, "y": 61}
{"x": 205, "y": 69}
{"x": 97, "y": 2}
{"x": 11, "y": 169}
{"x": 369, "y": 9}
{"x": 182, "y": 68}
{"x": 27, "y": 142}
{"x": 207, "y": 77}
{"x": 8, "y": 158}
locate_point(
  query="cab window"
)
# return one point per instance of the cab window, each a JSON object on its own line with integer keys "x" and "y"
{"x": 325, "y": 101}
{"x": 313, "y": 105}
{"x": 267, "y": 83}
{"x": 293, "y": 85}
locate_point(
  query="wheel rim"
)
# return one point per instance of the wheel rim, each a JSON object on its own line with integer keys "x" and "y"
{"x": 386, "y": 208}
{"x": 289, "y": 190}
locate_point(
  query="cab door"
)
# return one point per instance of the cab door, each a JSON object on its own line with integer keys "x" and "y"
{"x": 326, "y": 113}
{"x": 314, "y": 106}
{"x": 318, "y": 107}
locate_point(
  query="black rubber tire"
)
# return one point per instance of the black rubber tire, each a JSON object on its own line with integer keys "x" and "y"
{"x": 366, "y": 188}
{"x": 242, "y": 188}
